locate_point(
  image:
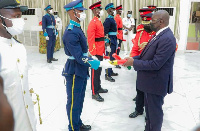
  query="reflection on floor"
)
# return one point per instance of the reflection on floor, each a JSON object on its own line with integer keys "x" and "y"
{"x": 181, "y": 109}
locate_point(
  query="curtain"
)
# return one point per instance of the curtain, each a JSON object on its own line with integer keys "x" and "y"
{"x": 133, "y": 5}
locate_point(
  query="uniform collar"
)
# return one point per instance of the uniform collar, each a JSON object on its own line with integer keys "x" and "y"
{"x": 110, "y": 16}
{"x": 96, "y": 18}
{"x": 157, "y": 33}
{"x": 118, "y": 15}
{"x": 48, "y": 14}
{"x": 74, "y": 23}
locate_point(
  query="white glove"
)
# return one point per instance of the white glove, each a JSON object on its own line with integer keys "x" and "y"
{"x": 108, "y": 49}
{"x": 106, "y": 64}
{"x": 94, "y": 57}
{"x": 47, "y": 38}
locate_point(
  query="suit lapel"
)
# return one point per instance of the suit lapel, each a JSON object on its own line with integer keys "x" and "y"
{"x": 152, "y": 42}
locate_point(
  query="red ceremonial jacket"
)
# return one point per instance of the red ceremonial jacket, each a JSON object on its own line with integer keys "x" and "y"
{"x": 118, "y": 20}
{"x": 140, "y": 41}
{"x": 96, "y": 30}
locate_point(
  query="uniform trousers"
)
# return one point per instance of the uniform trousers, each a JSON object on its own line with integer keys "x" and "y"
{"x": 50, "y": 46}
{"x": 154, "y": 113}
{"x": 139, "y": 101}
{"x": 128, "y": 41}
{"x": 109, "y": 71}
{"x": 75, "y": 88}
{"x": 95, "y": 77}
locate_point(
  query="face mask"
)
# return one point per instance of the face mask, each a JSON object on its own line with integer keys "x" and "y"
{"x": 55, "y": 16}
{"x": 18, "y": 26}
{"x": 101, "y": 13}
{"x": 147, "y": 29}
{"x": 114, "y": 12}
{"x": 129, "y": 15}
{"x": 82, "y": 16}
{"x": 51, "y": 11}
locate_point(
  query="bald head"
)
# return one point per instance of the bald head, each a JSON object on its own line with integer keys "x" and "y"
{"x": 163, "y": 15}
{"x": 160, "y": 19}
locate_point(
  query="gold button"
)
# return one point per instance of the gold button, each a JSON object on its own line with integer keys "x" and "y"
{"x": 18, "y": 60}
{"x": 26, "y": 106}
{"x": 22, "y": 76}
{"x": 24, "y": 92}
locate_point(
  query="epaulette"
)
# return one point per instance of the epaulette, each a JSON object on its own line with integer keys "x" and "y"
{"x": 140, "y": 28}
{"x": 70, "y": 27}
{"x": 17, "y": 40}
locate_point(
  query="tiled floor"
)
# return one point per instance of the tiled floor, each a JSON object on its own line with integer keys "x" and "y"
{"x": 181, "y": 108}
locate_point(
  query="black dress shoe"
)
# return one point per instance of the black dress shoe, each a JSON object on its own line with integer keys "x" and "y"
{"x": 135, "y": 114}
{"x": 114, "y": 74}
{"x": 98, "y": 98}
{"x": 134, "y": 99}
{"x": 117, "y": 66}
{"x": 85, "y": 127}
{"x": 109, "y": 78}
{"x": 54, "y": 59}
{"x": 101, "y": 90}
{"x": 49, "y": 61}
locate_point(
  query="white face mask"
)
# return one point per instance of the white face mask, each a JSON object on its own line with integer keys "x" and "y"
{"x": 82, "y": 16}
{"x": 51, "y": 11}
{"x": 114, "y": 12}
{"x": 129, "y": 15}
{"x": 18, "y": 26}
{"x": 101, "y": 13}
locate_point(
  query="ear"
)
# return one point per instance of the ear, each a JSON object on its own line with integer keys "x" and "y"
{"x": 161, "y": 21}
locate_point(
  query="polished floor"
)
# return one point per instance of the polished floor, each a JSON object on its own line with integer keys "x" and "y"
{"x": 181, "y": 108}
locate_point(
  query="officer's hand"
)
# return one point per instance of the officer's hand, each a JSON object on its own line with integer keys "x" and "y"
{"x": 108, "y": 49}
{"x": 47, "y": 38}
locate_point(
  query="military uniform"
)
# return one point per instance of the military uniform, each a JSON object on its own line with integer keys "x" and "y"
{"x": 96, "y": 44}
{"x": 14, "y": 72}
{"x": 119, "y": 22}
{"x": 49, "y": 30}
{"x": 76, "y": 70}
{"x": 110, "y": 29}
{"x": 139, "y": 43}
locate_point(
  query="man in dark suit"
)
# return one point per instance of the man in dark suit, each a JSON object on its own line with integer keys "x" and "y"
{"x": 154, "y": 68}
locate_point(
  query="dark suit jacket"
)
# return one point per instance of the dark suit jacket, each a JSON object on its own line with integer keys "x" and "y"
{"x": 154, "y": 66}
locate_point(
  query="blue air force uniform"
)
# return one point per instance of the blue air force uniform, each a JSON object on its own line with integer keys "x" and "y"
{"x": 48, "y": 26}
{"x": 110, "y": 29}
{"x": 76, "y": 69}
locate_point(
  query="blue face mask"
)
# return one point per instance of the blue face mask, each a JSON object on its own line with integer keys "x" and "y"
{"x": 129, "y": 15}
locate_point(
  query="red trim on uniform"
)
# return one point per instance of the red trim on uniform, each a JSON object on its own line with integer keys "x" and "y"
{"x": 99, "y": 5}
{"x": 146, "y": 18}
{"x": 93, "y": 82}
{"x": 118, "y": 8}
{"x": 152, "y": 7}
{"x": 146, "y": 12}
